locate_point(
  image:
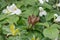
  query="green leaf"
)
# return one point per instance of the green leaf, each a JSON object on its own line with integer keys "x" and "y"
{"x": 45, "y": 5}
{"x": 12, "y": 19}
{"x": 49, "y": 16}
{"x": 51, "y": 32}
{"x": 1, "y": 37}
{"x": 3, "y": 16}
{"x": 56, "y": 26}
{"x": 44, "y": 24}
{"x": 29, "y": 2}
{"x": 14, "y": 38}
{"x": 6, "y": 29}
{"x": 45, "y": 39}
{"x": 2, "y": 2}
{"x": 29, "y": 11}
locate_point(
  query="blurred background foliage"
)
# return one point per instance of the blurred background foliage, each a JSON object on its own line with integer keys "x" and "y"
{"x": 28, "y": 8}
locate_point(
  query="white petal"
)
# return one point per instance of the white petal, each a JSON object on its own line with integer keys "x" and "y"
{"x": 13, "y": 5}
{"x": 41, "y": 1}
{"x": 40, "y": 14}
{"x": 43, "y": 13}
{"x": 47, "y": 0}
{"x": 54, "y": 6}
{"x": 58, "y": 5}
{"x": 12, "y": 8}
{"x": 17, "y": 12}
{"x": 40, "y": 8}
{"x": 57, "y": 19}
{"x": 12, "y": 13}
{"x": 56, "y": 15}
{"x": 5, "y": 11}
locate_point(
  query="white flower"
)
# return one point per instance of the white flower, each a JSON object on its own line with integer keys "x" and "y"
{"x": 13, "y": 9}
{"x": 17, "y": 12}
{"x": 54, "y": 6}
{"x": 5, "y": 11}
{"x": 56, "y": 15}
{"x": 41, "y": 9}
{"x": 47, "y": 0}
{"x": 42, "y": 12}
{"x": 42, "y": 1}
{"x": 58, "y": 5}
{"x": 57, "y": 19}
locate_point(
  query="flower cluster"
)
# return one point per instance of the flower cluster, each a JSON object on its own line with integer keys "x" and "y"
{"x": 29, "y": 20}
{"x": 42, "y": 1}
{"x": 42, "y": 12}
{"x": 57, "y": 18}
{"x": 12, "y": 9}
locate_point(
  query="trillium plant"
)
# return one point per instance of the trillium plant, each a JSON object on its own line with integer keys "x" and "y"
{"x": 12, "y": 10}
{"x": 29, "y": 19}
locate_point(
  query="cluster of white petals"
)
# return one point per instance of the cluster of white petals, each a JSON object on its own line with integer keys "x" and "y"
{"x": 42, "y": 1}
{"x": 12, "y": 9}
{"x": 58, "y": 5}
{"x": 57, "y": 19}
{"x": 42, "y": 12}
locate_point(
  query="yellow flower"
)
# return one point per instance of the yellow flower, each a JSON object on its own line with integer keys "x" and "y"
{"x": 33, "y": 38}
{"x": 37, "y": 38}
{"x": 13, "y": 30}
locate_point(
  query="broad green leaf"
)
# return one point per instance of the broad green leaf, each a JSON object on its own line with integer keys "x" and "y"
{"x": 49, "y": 16}
{"x": 13, "y": 19}
{"x": 1, "y": 37}
{"x": 29, "y": 2}
{"x": 43, "y": 24}
{"x": 29, "y": 11}
{"x": 3, "y": 16}
{"x": 55, "y": 26}
{"x": 4, "y": 4}
{"x": 14, "y": 38}
{"x": 51, "y": 32}
{"x": 5, "y": 29}
{"x": 45, "y": 39}
{"x": 45, "y": 5}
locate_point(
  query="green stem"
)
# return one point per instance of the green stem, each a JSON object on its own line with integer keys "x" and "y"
{"x": 57, "y": 3}
{"x": 54, "y": 18}
{"x": 30, "y": 26}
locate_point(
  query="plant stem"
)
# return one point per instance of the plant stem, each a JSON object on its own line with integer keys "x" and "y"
{"x": 57, "y": 3}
